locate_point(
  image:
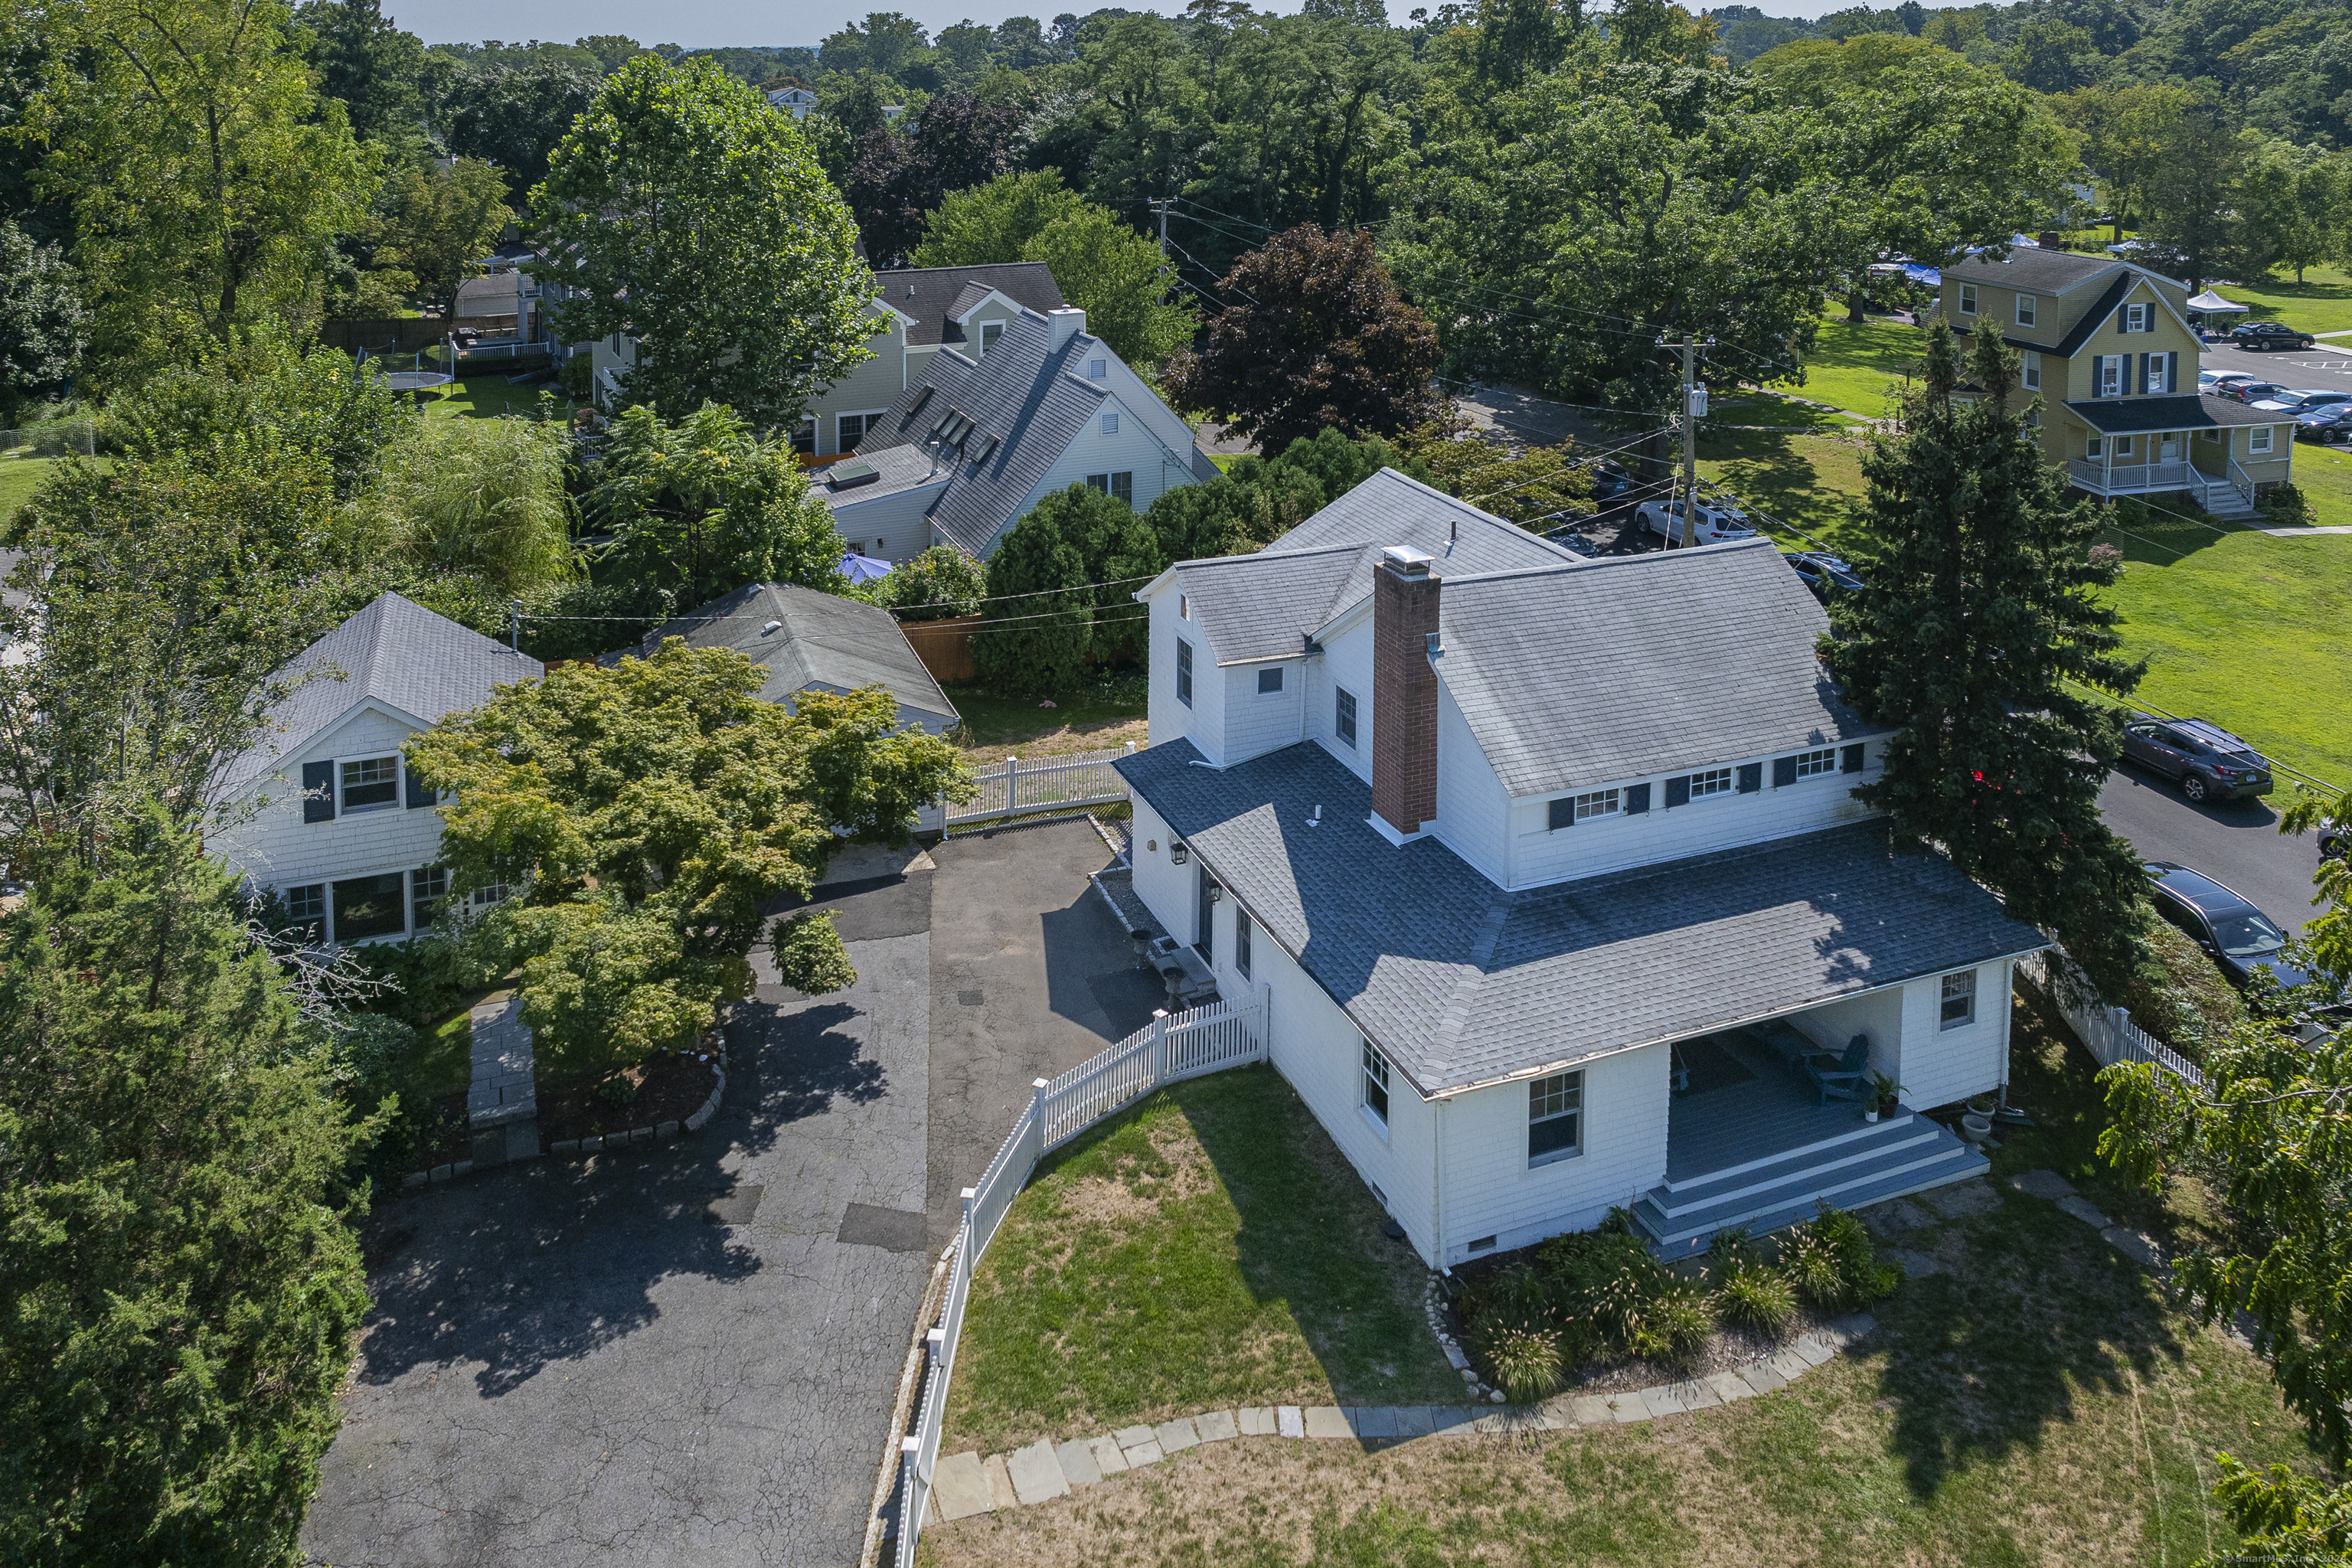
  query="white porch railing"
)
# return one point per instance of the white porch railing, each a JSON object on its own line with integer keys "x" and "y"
{"x": 2109, "y": 1032}
{"x": 2128, "y": 479}
{"x": 1013, "y": 786}
{"x": 1167, "y": 1050}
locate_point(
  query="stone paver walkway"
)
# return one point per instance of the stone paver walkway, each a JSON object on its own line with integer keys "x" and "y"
{"x": 966, "y": 1484}
{"x": 502, "y": 1105}
{"x": 2136, "y": 1244}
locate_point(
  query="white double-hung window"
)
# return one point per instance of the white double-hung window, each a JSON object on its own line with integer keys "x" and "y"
{"x": 2026, "y": 310}
{"x": 1375, "y": 1087}
{"x": 1555, "y": 1118}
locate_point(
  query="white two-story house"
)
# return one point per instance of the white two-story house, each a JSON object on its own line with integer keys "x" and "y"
{"x": 322, "y": 808}
{"x": 1550, "y": 876}
{"x": 974, "y": 443}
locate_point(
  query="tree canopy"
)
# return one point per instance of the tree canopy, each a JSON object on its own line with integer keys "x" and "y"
{"x": 648, "y": 815}
{"x": 683, "y": 211}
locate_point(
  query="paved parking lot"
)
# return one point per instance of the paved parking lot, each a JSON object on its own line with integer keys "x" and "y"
{"x": 686, "y": 1353}
{"x": 2329, "y": 365}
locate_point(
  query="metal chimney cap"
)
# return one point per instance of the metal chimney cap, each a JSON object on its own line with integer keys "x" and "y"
{"x": 1406, "y": 560}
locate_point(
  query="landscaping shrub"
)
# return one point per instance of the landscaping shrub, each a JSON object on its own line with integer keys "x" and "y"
{"x": 2181, "y": 996}
{"x": 1834, "y": 1264}
{"x": 1751, "y": 1293}
{"x": 1526, "y": 1362}
{"x": 1606, "y": 1283}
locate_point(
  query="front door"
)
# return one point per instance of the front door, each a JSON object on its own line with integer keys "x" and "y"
{"x": 1205, "y": 943}
{"x": 2170, "y": 452}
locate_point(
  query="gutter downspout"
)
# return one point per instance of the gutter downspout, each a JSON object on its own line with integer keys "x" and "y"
{"x": 1437, "y": 1190}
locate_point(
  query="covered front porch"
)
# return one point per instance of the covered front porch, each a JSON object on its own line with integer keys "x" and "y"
{"x": 1751, "y": 1142}
{"x": 2212, "y": 450}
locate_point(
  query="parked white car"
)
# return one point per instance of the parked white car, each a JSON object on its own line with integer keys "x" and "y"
{"x": 1716, "y": 523}
{"x": 2212, "y": 380}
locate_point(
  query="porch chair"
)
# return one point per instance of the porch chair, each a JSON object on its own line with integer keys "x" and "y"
{"x": 1841, "y": 1077}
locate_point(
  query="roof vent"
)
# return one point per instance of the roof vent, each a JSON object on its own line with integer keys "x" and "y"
{"x": 770, "y": 627}
{"x": 850, "y": 474}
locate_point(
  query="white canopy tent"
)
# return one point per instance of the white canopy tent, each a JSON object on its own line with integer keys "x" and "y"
{"x": 2213, "y": 304}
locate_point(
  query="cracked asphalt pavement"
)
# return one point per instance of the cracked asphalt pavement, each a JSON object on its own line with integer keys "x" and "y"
{"x": 687, "y": 1352}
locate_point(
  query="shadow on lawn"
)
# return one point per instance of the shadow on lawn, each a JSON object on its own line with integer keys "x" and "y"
{"x": 2161, "y": 539}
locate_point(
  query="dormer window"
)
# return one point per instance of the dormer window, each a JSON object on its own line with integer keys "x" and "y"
{"x": 989, "y": 332}
{"x": 2026, "y": 310}
{"x": 1968, "y": 299}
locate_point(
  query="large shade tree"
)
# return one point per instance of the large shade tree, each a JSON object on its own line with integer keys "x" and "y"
{"x": 652, "y": 813}
{"x": 1978, "y": 629}
{"x": 1316, "y": 337}
{"x": 684, "y": 212}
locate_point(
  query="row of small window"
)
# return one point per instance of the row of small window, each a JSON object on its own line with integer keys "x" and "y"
{"x": 1118, "y": 486}
{"x": 388, "y": 904}
{"x": 2134, "y": 318}
{"x": 1555, "y": 1109}
{"x": 1748, "y": 778}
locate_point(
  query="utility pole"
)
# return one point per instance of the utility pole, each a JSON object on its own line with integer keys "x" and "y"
{"x": 1694, "y": 410}
{"x": 1160, "y": 205}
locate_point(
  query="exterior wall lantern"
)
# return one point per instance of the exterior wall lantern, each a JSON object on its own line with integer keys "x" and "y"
{"x": 1177, "y": 852}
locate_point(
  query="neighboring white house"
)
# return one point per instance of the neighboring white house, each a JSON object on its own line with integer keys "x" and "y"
{"x": 794, "y": 100}
{"x": 919, "y": 311}
{"x": 343, "y": 833}
{"x": 973, "y": 445}
{"x": 812, "y": 641}
{"x": 1551, "y": 874}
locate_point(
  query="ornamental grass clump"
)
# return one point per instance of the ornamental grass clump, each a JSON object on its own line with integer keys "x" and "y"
{"x": 1526, "y": 1361}
{"x": 1627, "y": 1300}
{"x": 1752, "y": 1293}
{"x": 1834, "y": 1265}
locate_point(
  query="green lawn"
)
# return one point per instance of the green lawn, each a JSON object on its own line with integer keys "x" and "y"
{"x": 487, "y": 396}
{"x": 1210, "y": 1247}
{"x": 2322, "y": 302}
{"x": 2324, "y": 473}
{"x": 18, "y": 478}
{"x": 1855, "y": 367}
{"x": 2249, "y": 630}
{"x": 444, "y": 1063}
{"x": 1812, "y": 482}
{"x": 1107, "y": 712}
{"x": 2038, "y": 1400}
{"x": 1749, "y": 407}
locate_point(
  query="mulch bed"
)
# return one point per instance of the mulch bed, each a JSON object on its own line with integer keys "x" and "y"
{"x": 669, "y": 1089}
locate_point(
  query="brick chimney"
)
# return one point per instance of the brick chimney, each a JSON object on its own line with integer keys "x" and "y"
{"x": 1404, "y": 690}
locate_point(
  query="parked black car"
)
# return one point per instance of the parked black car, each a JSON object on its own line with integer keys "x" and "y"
{"x": 2334, "y": 839}
{"x": 1822, "y": 572}
{"x": 2207, "y": 761}
{"x": 2269, "y": 335}
{"x": 1609, "y": 480}
{"x": 2238, "y": 936}
{"x": 2332, "y": 423}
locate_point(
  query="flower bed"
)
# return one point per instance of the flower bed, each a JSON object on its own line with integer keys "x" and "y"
{"x": 1598, "y": 1311}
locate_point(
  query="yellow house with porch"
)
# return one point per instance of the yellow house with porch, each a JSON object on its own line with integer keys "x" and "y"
{"x": 2108, "y": 347}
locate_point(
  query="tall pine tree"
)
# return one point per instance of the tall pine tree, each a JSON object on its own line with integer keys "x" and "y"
{"x": 179, "y": 1283}
{"x": 1979, "y": 625}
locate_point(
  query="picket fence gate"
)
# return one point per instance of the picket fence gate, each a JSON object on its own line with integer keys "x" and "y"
{"x": 1171, "y": 1049}
{"x": 1013, "y": 786}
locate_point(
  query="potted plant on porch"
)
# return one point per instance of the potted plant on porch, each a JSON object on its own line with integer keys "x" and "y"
{"x": 1886, "y": 1089}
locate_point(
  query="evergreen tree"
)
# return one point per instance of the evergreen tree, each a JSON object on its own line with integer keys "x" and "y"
{"x": 179, "y": 1285}
{"x": 1979, "y": 624}
{"x": 1120, "y": 553}
{"x": 1040, "y": 626}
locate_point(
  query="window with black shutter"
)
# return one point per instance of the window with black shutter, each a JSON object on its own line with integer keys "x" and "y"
{"x": 1784, "y": 773}
{"x": 1678, "y": 792}
{"x": 419, "y": 793}
{"x": 1751, "y": 777}
{"x": 1637, "y": 798}
{"x": 317, "y": 791}
{"x": 1850, "y": 760}
{"x": 1561, "y": 813}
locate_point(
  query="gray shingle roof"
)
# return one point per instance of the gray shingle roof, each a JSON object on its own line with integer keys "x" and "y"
{"x": 933, "y": 294}
{"x": 824, "y": 640}
{"x": 1259, "y": 606}
{"x": 2037, "y": 269}
{"x": 1462, "y": 984}
{"x": 1024, "y": 394}
{"x": 1631, "y": 666}
{"x": 2188, "y": 411}
{"x": 396, "y": 652}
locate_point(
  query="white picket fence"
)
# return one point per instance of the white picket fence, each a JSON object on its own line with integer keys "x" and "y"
{"x": 2109, "y": 1032}
{"x": 1013, "y": 786}
{"x": 1167, "y": 1050}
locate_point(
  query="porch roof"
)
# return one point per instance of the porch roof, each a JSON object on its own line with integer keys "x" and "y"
{"x": 1461, "y": 983}
{"x": 2188, "y": 411}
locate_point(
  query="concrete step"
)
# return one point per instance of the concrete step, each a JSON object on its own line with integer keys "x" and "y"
{"x": 1911, "y": 1161}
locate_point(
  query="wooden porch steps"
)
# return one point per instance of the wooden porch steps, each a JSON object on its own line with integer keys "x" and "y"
{"x": 1906, "y": 1154}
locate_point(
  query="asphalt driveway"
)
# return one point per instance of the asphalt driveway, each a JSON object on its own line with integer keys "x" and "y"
{"x": 687, "y": 1352}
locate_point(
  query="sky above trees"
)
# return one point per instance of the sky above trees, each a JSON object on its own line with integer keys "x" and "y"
{"x": 715, "y": 23}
